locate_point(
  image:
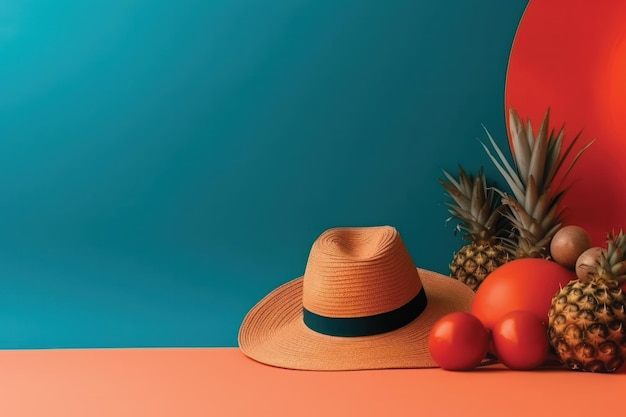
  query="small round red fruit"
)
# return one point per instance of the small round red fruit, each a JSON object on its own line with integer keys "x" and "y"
{"x": 520, "y": 340}
{"x": 458, "y": 341}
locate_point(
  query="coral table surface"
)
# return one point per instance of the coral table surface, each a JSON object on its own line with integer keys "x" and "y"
{"x": 224, "y": 382}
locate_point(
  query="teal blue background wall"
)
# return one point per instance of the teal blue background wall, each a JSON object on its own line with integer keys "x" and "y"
{"x": 165, "y": 164}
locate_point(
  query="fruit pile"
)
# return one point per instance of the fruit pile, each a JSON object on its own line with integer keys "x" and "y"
{"x": 542, "y": 290}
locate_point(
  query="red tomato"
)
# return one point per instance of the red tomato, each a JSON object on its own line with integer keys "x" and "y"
{"x": 520, "y": 340}
{"x": 458, "y": 341}
{"x": 523, "y": 284}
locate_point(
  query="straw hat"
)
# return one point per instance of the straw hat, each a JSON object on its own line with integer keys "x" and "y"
{"x": 361, "y": 304}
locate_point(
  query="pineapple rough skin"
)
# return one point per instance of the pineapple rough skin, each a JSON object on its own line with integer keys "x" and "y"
{"x": 587, "y": 326}
{"x": 472, "y": 263}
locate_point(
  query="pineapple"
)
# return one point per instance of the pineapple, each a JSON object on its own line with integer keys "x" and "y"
{"x": 533, "y": 207}
{"x": 480, "y": 221}
{"x": 587, "y": 320}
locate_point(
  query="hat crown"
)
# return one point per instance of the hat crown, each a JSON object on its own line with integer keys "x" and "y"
{"x": 356, "y": 272}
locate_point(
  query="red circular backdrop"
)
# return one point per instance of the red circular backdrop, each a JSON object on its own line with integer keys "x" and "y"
{"x": 570, "y": 56}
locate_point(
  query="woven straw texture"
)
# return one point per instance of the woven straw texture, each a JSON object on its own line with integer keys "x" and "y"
{"x": 351, "y": 272}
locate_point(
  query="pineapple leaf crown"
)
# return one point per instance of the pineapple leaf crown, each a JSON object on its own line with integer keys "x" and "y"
{"x": 612, "y": 262}
{"x": 474, "y": 206}
{"x": 533, "y": 205}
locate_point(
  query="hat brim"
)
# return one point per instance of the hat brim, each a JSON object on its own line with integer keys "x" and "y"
{"x": 273, "y": 332}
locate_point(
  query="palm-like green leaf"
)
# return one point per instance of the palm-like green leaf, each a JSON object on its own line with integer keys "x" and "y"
{"x": 508, "y": 172}
{"x": 473, "y": 205}
{"x": 521, "y": 146}
{"x": 533, "y": 207}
